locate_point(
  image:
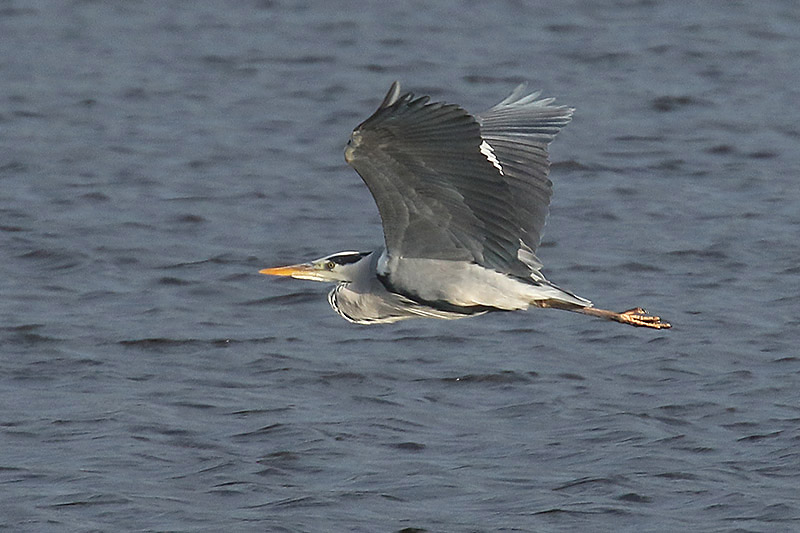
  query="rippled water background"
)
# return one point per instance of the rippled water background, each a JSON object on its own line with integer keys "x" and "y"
{"x": 155, "y": 155}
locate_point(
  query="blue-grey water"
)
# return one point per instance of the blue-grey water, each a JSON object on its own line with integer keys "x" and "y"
{"x": 155, "y": 155}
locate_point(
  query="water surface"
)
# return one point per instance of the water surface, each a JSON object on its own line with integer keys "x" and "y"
{"x": 154, "y": 156}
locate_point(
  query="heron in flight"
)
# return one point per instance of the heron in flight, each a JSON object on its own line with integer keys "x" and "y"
{"x": 463, "y": 200}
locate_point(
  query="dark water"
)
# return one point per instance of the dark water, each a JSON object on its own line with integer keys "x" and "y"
{"x": 155, "y": 155}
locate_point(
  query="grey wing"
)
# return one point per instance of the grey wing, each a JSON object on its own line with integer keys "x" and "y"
{"x": 517, "y": 131}
{"x": 440, "y": 194}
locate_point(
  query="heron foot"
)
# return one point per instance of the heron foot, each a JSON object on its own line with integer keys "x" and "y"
{"x": 639, "y": 317}
{"x": 633, "y": 317}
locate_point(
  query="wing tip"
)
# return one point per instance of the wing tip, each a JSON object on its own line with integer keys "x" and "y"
{"x": 392, "y": 96}
{"x": 520, "y": 97}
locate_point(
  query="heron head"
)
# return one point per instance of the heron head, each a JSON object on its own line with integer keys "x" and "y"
{"x": 339, "y": 267}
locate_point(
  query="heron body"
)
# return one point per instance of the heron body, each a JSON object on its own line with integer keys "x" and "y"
{"x": 463, "y": 201}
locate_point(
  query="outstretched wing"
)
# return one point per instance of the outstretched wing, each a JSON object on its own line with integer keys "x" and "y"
{"x": 519, "y": 129}
{"x": 445, "y": 191}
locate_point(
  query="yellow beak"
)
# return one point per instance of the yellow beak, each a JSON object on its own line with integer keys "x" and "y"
{"x": 290, "y": 270}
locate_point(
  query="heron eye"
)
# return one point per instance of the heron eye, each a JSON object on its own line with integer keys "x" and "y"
{"x": 329, "y": 265}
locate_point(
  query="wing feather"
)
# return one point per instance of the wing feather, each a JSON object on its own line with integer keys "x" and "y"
{"x": 519, "y": 129}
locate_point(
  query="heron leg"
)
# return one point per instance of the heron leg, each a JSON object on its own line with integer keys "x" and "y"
{"x": 633, "y": 317}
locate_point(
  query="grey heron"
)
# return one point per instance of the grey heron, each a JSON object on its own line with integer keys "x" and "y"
{"x": 463, "y": 200}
